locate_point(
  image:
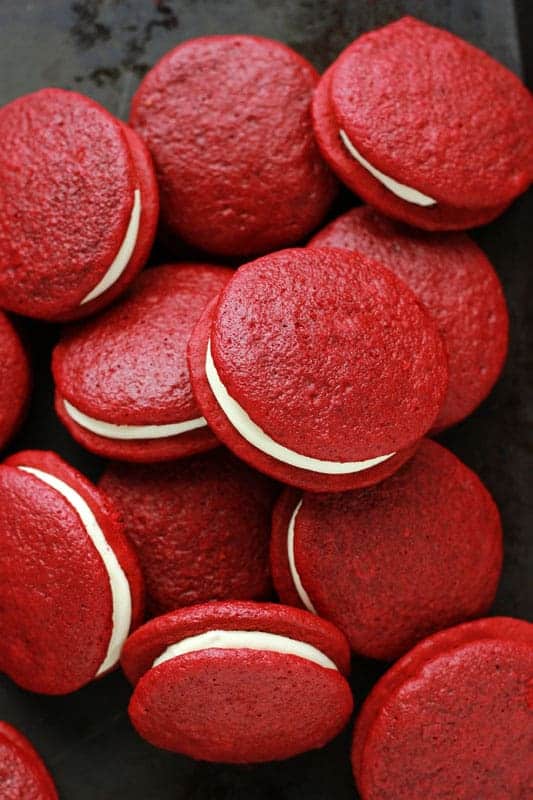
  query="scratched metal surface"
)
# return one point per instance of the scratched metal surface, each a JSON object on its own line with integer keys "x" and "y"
{"x": 102, "y": 48}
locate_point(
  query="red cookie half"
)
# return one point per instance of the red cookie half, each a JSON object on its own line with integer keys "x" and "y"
{"x": 71, "y": 585}
{"x": 392, "y": 563}
{"x": 122, "y": 381}
{"x": 426, "y": 127}
{"x": 227, "y": 120}
{"x": 23, "y": 775}
{"x": 79, "y": 205}
{"x": 15, "y": 380}
{"x": 238, "y": 682}
{"x": 458, "y": 286}
{"x": 201, "y": 527}
{"x": 318, "y": 367}
{"x": 452, "y": 719}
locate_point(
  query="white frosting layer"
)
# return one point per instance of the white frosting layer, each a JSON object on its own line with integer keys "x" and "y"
{"x": 257, "y": 437}
{"x": 402, "y": 191}
{"x": 125, "y": 432}
{"x": 246, "y": 640}
{"x": 120, "y": 588}
{"x": 124, "y": 254}
{"x": 298, "y": 585}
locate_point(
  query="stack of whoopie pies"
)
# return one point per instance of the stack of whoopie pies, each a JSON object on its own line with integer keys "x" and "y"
{"x": 322, "y": 367}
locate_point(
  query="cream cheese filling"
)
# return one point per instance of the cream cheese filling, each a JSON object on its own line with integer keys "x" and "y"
{"x": 297, "y": 581}
{"x": 109, "y": 430}
{"x": 257, "y": 437}
{"x": 246, "y": 640}
{"x": 120, "y": 588}
{"x": 124, "y": 254}
{"x": 402, "y": 191}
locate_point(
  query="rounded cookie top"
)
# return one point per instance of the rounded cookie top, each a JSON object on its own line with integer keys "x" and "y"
{"x": 392, "y": 199}
{"x": 435, "y": 113}
{"x": 329, "y": 354}
{"x": 457, "y": 284}
{"x": 274, "y": 676}
{"x": 227, "y": 120}
{"x": 201, "y": 527}
{"x": 452, "y": 718}
{"x": 23, "y": 775}
{"x": 350, "y": 557}
{"x": 122, "y": 380}
{"x": 67, "y": 167}
{"x": 14, "y": 380}
{"x": 72, "y": 588}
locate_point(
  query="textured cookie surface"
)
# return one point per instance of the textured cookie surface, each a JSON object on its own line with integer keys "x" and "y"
{"x": 452, "y": 719}
{"x": 23, "y": 776}
{"x": 128, "y": 367}
{"x": 472, "y": 117}
{"x": 56, "y": 617}
{"x": 412, "y": 99}
{"x": 69, "y": 167}
{"x": 227, "y": 120}
{"x": 201, "y": 527}
{"x": 459, "y": 288}
{"x": 363, "y": 382}
{"x": 355, "y": 553}
{"x": 264, "y": 704}
{"x": 14, "y": 380}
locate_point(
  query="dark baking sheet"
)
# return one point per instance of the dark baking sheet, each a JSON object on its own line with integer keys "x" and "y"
{"x": 102, "y": 48}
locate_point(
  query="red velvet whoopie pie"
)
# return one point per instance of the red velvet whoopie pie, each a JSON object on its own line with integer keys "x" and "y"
{"x": 79, "y": 205}
{"x": 71, "y": 586}
{"x": 452, "y": 719}
{"x": 15, "y": 380}
{"x": 318, "y": 367}
{"x": 392, "y": 563}
{"x": 122, "y": 382}
{"x": 228, "y": 122}
{"x": 200, "y": 526}
{"x": 458, "y": 286}
{"x": 426, "y": 127}
{"x": 23, "y": 775}
{"x": 238, "y": 682}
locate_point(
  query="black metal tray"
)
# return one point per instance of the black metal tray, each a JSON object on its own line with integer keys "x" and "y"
{"x": 102, "y": 48}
